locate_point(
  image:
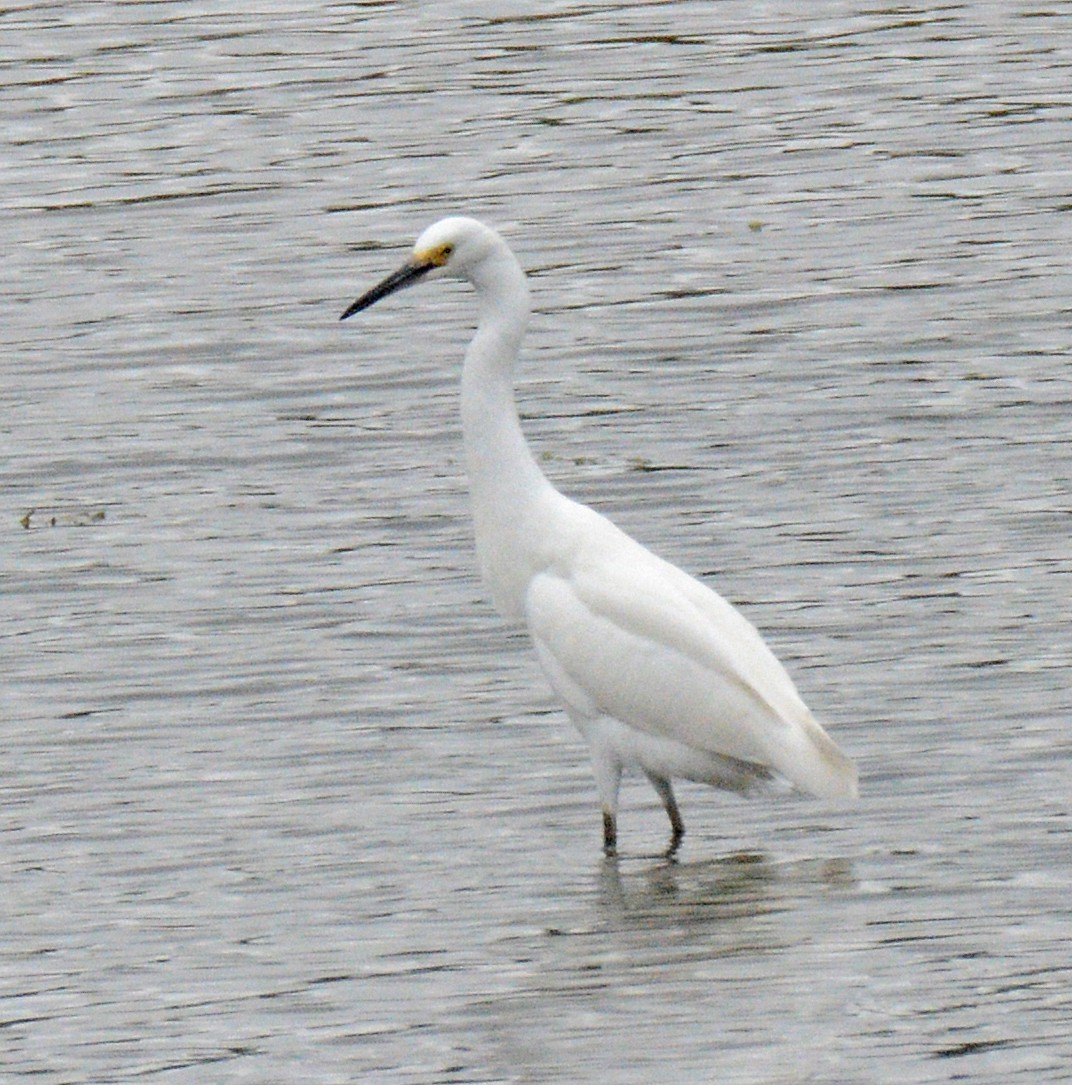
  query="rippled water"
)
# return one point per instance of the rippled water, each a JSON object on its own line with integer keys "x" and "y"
{"x": 281, "y": 798}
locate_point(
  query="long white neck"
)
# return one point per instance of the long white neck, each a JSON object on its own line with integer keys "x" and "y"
{"x": 506, "y": 484}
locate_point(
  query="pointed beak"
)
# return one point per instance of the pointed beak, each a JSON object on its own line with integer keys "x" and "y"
{"x": 407, "y": 274}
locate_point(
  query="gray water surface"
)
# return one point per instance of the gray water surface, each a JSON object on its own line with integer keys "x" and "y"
{"x": 281, "y": 798}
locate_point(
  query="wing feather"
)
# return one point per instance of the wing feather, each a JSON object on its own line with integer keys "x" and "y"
{"x": 625, "y": 634}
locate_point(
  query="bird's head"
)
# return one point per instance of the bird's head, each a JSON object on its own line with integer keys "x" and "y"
{"x": 453, "y": 247}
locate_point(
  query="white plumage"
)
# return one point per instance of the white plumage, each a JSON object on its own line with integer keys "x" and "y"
{"x": 657, "y": 671}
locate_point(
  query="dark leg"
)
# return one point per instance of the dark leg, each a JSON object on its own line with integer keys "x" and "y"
{"x": 608, "y": 773}
{"x": 610, "y": 833}
{"x": 677, "y": 826}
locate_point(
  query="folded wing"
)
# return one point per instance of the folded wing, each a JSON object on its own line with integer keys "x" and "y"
{"x": 633, "y": 637}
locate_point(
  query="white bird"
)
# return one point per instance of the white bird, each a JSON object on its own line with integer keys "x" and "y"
{"x": 656, "y": 670}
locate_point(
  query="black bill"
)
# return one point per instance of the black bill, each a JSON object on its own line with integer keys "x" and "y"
{"x": 408, "y": 273}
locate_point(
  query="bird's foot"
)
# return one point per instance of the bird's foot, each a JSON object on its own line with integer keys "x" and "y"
{"x": 675, "y": 842}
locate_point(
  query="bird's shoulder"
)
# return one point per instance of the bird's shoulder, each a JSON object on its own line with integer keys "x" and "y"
{"x": 613, "y": 577}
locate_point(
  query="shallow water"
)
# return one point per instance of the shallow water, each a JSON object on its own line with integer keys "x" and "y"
{"x": 282, "y": 800}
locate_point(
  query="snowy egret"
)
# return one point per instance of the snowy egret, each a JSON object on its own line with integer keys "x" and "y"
{"x": 656, "y": 670}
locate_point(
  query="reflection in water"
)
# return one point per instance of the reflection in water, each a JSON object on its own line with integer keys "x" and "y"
{"x": 723, "y": 941}
{"x": 745, "y": 885}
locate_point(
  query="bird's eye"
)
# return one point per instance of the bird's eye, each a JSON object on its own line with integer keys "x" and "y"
{"x": 446, "y": 251}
